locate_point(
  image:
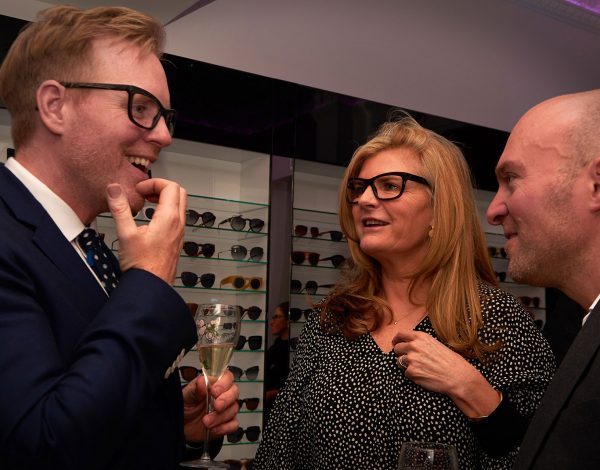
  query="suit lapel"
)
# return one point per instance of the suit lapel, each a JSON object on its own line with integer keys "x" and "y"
{"x": 46, "y": 235}
{"x": 560, "y": 389}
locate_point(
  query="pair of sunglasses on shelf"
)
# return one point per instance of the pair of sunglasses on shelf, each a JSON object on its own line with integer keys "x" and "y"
{"x": 207, "y": 219}
{"x": 243, "y": 464}
{"x": 293, "y": 343}
{"x": 237, "y": 252}
{"x": 207, "y": 280}
{"x": 298, "y": 257}
{"x": 296, "y": 313}
{"x": 189, "y": 279}
{"x": 310, "y": 287}
{"x": 527, "y": 301}
{"x": 302, "y": 230}
{"x": 252, "y": 434}
{"x": 238, "y": 223}
{"x": 252, "y": 312}
{"x": 251, "y": 372}
{"x": 242, "y": 282}
{"x": 251, "y": 403}
{"x": 254, "y": 342}
{"x": 494, "y": 252}
{"x": 501, "y": 276}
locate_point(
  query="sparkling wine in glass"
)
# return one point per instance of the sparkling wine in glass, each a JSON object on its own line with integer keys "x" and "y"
{"x": 218, "y": 327}
{"x": 427, "y": 456}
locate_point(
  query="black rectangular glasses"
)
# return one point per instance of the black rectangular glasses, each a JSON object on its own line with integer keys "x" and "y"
{"x": 385, "y": 186}
{"x": 143, "y": 108}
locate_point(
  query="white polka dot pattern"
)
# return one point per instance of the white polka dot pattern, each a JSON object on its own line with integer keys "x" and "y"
{"x": 97, "y": 257}
{"x": 348, "y": 405}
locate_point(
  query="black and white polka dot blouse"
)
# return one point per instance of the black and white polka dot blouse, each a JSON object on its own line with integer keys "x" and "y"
{"x": 348, "y": 405}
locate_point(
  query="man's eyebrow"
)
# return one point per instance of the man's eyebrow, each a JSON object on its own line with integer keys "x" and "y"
{"x": 506, "y": 167}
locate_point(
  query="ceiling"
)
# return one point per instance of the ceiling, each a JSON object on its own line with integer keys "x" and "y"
{"x": 477, "y": 61}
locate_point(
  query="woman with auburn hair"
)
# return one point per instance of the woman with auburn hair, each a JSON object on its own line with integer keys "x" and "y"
{"x": 417, "y": 343}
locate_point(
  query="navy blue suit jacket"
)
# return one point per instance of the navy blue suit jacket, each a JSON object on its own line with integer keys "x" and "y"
{"x": 564, "y": 433}
{"x": 82, "y": 376}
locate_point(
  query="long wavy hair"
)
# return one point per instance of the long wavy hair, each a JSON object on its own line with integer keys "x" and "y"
{"x": 457, "y": 259}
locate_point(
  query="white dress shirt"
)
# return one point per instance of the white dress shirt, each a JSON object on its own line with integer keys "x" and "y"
{"x": 59, "y": 211}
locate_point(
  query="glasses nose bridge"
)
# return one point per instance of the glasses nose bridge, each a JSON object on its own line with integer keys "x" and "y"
{"x": 369, "y": 195}
{"x": 160, "y": 132}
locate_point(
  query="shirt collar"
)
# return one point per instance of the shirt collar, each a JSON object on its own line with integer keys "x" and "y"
{"x": 58, "y": 210}
{"x": 590, "y": 310}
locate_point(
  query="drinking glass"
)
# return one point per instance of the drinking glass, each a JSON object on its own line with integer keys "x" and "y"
{"x": 427, "y": 456}
{"x": 218, "y": 328}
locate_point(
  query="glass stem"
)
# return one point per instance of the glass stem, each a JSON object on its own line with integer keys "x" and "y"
{"x": 209, "y": 408}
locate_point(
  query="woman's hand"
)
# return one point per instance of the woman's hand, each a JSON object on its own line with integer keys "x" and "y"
{"x": 222, "y": 420}
{"x": 437, "y": 368}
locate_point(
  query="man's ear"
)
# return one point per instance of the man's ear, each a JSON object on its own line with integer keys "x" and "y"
{"x": 594, "y": 175}
{"x": 50, "y": 100}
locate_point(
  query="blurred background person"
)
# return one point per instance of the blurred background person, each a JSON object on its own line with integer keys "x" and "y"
{"x": 277, "y": 358}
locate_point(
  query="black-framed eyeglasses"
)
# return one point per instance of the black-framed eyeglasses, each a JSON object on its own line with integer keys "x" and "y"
{"x": 385, "y": 186}
{"x": 143, "y": 108}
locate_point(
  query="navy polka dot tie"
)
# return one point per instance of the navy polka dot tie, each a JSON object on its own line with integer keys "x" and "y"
{"x": 98, "y": 257}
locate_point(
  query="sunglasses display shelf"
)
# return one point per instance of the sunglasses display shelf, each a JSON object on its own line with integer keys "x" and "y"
{"x": 533, "y": 298}
{"x": 224, "y": 260}
{"x": 319, "y": 252}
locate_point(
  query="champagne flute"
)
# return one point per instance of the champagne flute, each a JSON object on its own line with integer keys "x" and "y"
{"x": 218, "y": 328}
{"x": 427, "y": 456}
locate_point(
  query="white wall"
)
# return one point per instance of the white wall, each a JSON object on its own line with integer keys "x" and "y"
{"x": 479, "y": 61}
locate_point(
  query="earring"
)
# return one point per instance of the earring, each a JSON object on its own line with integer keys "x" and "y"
{"x": 430, "y": 231}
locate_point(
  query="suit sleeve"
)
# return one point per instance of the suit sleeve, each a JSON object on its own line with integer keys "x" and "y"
{"x": 74, "y": 383}
{"x": 521, "y": 368}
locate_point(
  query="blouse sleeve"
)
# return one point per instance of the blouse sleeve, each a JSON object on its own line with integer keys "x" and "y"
{"x": 521, "y": 368}
{"x": 278, "y": 446}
